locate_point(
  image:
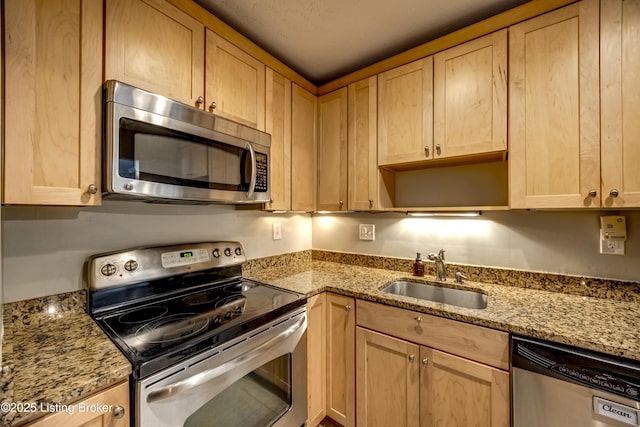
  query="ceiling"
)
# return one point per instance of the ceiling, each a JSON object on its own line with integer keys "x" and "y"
{"x": 326, "y": 39}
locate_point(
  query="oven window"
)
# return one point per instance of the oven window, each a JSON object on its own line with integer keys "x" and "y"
{"x": 258, "y": 399}
{"x": 152, "y": 153}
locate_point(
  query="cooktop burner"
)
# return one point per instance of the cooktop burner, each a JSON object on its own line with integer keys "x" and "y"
{"x": 161, "y": 305}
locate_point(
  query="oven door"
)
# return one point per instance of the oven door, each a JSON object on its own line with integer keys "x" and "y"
{"x": 258, "y": 380}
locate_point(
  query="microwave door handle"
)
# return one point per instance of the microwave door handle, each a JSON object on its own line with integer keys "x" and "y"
{"x": 252, "y": 183}
{"x": 197, "y": 380}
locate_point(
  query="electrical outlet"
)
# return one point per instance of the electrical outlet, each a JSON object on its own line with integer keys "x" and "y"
{"x": 367, "y": 231}
{"x": 276, "y": 231}
{"x": 611, "y": 246}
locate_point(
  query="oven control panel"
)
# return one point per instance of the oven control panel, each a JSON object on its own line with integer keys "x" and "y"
{"x": 135, "y": 265}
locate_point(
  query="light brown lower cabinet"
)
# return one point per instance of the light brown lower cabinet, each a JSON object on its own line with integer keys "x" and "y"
{"x": 109, "y": 407}
{"x": 316, "y": 359}
{"x": 410, "y": 381}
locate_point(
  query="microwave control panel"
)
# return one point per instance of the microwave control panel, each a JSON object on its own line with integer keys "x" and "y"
{"x": 262, "y": 172}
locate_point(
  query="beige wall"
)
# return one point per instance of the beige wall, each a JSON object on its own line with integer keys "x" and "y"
{"x": 554, "y": 242}
{"x": 45, "y": 247}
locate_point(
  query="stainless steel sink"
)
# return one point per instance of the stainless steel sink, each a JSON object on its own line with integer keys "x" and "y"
{"x": 433, "y": 291}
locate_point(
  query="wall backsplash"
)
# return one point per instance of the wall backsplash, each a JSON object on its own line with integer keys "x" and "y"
{"x": 44, "y": 247}
{"x": 540, "y": 241}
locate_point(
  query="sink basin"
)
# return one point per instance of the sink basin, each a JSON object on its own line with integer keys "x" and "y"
{"x": 433, "y": 291}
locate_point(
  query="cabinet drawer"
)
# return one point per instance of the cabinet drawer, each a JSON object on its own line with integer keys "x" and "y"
{"x": 473, "y": 342}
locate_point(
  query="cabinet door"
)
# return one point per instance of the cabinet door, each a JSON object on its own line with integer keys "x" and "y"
{"x": 278, "y": 124}
{"x": 554, "y": 114}
{"x": 53, "y": 91}
{"x": 332, "y": 151}
{"x": 235, "y": 83}
{"x": 620, "y": 97}
{"x": 460, "y": 392}
{"x": 362, "y": 145}
{"x": 303, "y": 149}
{"x": 387, "y": 381}
{"x": 341, "y": 346}
{"x": 116, "y": 399}
{"x": 470, "y": 97}
{"x": 152, "y": 45}
{"x": 316, "y": 359}
{"x": 405, "y": 113}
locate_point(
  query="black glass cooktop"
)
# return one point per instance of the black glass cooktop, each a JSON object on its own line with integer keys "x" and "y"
{"x": 163, "y": 331}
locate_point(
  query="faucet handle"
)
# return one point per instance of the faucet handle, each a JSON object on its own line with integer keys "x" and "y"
{"x": 441, "y": 254}
{"x": 460, "y": 277}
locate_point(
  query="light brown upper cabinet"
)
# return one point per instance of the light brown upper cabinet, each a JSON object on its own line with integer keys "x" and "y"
{"x": 362, "y": 145}
{"x": 620, "y": 97}
{"x": 278, "y": 125}
{"x": 303, "y": 149}
{"x": 554, "y": 114}
{"x": 332, "y": 151}
{"x": 235, "y": 83}
{"x": 53, "y": 94}
{"x": 470, "y": 97}
{"x": 153, "y": 45}
{"x": 405, "y": 113}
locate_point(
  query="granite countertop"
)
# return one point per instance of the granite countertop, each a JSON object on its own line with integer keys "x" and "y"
{"x": 53, "y": 353}
{"x": 607, "y": 325}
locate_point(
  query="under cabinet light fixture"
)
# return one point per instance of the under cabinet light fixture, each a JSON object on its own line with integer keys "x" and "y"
{"x": 445, "y": 214}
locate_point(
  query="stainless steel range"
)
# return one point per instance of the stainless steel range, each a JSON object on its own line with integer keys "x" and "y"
{"x": 207, "y": 347}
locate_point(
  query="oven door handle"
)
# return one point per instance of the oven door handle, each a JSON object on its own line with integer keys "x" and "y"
{"x": 254, "y": 172}
{"x": 203, "y": 377}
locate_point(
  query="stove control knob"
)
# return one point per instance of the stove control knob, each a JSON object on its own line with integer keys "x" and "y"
{"x": 238, "y": 251}
{"x": 227, "y": 252}
{"x": 216, "y": 253}
{"x": 228, "y": 315}
{"x": 131, "y": 265}
{"x": 217, "y": 320}
{"x": 108, "y": 270}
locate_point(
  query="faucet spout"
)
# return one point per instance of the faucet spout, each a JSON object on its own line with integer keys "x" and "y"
{"x": 441, "y": 268}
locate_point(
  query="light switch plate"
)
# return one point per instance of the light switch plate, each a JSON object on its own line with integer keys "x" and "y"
{"x": 367, "y": 231}
{"x": 276, "y": 231}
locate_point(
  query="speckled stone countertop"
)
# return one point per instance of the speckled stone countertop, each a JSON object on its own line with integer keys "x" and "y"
{"x": 607, "y": 323}
{"x": 53, "y": 353}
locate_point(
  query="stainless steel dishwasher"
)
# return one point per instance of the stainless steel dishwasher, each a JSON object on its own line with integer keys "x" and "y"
{"x": 557, "y": 385}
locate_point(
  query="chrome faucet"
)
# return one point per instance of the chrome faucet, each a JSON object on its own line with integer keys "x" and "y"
{"x": 441, "y": 268}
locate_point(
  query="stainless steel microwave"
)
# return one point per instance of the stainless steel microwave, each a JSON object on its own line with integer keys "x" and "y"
{"x": 159, "y": 149}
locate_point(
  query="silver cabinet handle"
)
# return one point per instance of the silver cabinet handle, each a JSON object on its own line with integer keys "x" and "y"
{"x": 438, "y": 149}
{"x": 118, "y": 412}
{"x": 348, "y": 308}
{"x": 92, "y": 189}
{"x": 199, "y": 101}
{"x": 370, "y": 203}
{"x": 212, "y": 106}
{"x": 426, "y": 151}
{"x": 411, "y": 358}
{"x": 425, "y": 361}
{"x": 418, "y": 319}
{"x": 341, "y": 203}
{"x": 593, "y": 193}
{"x": 614, "y": 193}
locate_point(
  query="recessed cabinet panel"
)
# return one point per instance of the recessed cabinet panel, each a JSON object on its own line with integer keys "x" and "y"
{"x": 387, "y": 381}
{"x": 153, "y": 45}
{"x": 303, "y": 149}
{"x": 470, "y": 97}
{"x": 362, "y": 145}
{"x": 405, "y": 113}
{"x": 332, "y": 151}
{"x": 235, "y": 83}
{"x": 53, "y": 91}
{"x": 278, "y": 125}
{"x": 554, "y": 109}
{"x": 620, "y": 61}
